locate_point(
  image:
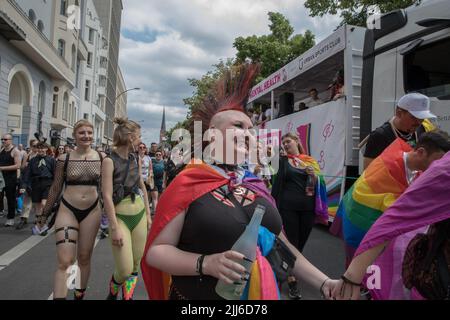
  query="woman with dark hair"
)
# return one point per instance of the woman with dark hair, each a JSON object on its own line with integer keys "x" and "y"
{"x": 77, "y": 179}
{"x": 299, "y": 198}
{"x": 126, "y": 204}
{"x": 207, "y": 207}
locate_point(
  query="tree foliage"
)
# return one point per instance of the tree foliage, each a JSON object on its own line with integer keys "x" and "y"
{"x": 355, "y": 12}
{"x": 275, "y": 50}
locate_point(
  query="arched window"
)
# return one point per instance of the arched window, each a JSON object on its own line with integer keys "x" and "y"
{"x": 74, "y": 57}
{"x": 65, "y": 106}
{"x": 63, "y": 8}
{"x": 41, "y": 97}
{"x": 61, "y": 47}
{"x": 40, "y": 26}
{"x": 32, "y": 15}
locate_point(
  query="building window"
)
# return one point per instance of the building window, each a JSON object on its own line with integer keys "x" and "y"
{"x": 41, "y": 97}
{"x": 63, "y": 9}
{"x": 74, "y": 57}
{"x": 102, "y": 81}
{"x": 103, "y": 62}
{"x": 73, "y": 113}
{"x": 87, "y": 90}
{"x": 91, "y": 35}
{"x": 55, "y": 106}
{"x": 65, "y": 106}
{"x": 40, "y": 26}
{"x": 32, "y": 15}
{"x": 77, "y": 73}
{"x": 89, "y": 60}
{"x": 61, "y": 47}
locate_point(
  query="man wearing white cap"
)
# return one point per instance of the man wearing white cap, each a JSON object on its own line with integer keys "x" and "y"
{"x": 412, "y": 109}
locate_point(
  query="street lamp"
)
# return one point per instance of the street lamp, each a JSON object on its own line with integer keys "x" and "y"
{"x": 125, "y": 92}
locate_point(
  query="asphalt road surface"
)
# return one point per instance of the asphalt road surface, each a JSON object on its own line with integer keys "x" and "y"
{"x": 27, "y": 265}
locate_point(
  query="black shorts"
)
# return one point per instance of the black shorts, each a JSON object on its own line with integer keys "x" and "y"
{"x": 40, "y": 189}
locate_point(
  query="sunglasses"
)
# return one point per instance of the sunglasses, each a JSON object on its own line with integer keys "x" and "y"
{"x": 142, "y": 148}
{"x": 5, "y": 139}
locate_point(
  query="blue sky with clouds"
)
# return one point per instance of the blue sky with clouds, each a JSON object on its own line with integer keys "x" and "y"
{"x": 163, "y": 43}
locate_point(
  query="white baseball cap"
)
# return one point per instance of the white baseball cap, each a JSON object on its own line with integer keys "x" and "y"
{"x": 417, "y": 104}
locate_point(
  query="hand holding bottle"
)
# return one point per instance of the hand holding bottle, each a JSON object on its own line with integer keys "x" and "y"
{"x": 223, "y": 266}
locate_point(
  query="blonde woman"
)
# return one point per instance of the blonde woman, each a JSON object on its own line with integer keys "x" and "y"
{"x": 79, "y": 213}
{"x": 126, "y": 204}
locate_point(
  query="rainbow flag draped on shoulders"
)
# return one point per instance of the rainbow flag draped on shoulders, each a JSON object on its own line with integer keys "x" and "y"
{"x": 320, "y": 188}
{"x": 193, "y": 182}
{"x": 376, "y": 190}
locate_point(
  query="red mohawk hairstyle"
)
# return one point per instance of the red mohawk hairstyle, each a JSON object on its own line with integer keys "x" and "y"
{"x": 231, "y": 92}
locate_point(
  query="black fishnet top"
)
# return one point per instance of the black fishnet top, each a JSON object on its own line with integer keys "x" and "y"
{"x": 79, "y": 172}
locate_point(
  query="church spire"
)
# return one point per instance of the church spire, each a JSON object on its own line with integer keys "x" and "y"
{"x": 162, "y": 133}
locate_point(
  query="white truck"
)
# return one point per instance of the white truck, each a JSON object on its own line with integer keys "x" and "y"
{"x": 404, "y": 51}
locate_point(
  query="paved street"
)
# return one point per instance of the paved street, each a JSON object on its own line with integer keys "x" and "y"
{"x": 27, "y": 264}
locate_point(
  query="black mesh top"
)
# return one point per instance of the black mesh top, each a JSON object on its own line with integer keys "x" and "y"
{"x": 79, "y": 172}
{"x": 132, "y": 177}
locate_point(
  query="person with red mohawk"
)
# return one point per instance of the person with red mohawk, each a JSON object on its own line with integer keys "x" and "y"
{"x": 207, "y": 207}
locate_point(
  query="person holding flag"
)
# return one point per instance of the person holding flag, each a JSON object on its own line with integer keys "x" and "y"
{"x": 380, "y": 185}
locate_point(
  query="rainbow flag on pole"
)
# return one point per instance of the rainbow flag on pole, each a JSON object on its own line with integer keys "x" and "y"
{"x": 376, "y": 190}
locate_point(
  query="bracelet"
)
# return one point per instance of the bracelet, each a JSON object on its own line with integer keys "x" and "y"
{"x": 199, "y": 268}
{"x": 321, "y": 287}
{"x": 348, "y": 281}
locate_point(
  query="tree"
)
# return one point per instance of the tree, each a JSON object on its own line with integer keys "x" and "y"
{"x": 355, "y": 12}
{"x": 201, "y": 88}
{"x": 275, "y": 50}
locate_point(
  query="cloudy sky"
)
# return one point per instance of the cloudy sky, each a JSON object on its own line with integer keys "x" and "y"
{"x": 163, "y": 43}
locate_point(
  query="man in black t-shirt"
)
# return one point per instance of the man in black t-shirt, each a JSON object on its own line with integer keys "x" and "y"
{"x": 412, "y": 109}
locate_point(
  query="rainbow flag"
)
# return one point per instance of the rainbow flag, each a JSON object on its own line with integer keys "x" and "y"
{"x": 320, "y": 188}
{"x": 376, "y": 190}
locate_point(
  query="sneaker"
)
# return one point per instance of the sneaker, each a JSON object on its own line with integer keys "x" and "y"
{"x": 35, "y": 230}
{"x": 43, "y": 232}
{"x": 294, "y": 293}
{"x": 22, "y": 224}
{"x": 103, "y": 233}
{"x": 9, "y": 223}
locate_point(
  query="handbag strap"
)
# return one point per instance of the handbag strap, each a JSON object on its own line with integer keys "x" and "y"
{"x": 66, "y": 164}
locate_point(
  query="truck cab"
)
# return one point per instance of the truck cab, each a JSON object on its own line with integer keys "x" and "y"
{"x": 409, "y": 52}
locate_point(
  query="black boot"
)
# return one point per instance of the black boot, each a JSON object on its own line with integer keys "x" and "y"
{"x": 114, "y": 289}
{"x": 78, "y": 294}
{"x": 23, "y": 222}
{"x": 294, "y": 293}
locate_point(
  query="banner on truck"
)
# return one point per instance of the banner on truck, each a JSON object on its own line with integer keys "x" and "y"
{"x": 320, "y": 52}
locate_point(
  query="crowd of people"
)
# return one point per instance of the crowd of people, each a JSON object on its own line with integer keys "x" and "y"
{"x": 177, "y": 223}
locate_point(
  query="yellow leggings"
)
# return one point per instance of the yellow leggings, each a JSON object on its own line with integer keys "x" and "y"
{"x": 132, "y": 222}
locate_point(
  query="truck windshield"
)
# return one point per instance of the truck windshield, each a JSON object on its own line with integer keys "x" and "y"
{"x": 427, "y": 70}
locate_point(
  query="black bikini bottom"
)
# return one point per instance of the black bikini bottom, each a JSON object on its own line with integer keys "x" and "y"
{"x": 79, "y": 214}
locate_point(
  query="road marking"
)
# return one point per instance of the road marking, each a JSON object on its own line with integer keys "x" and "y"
{"x": 15, "y": 253}
{"x": 76, "y": 262}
